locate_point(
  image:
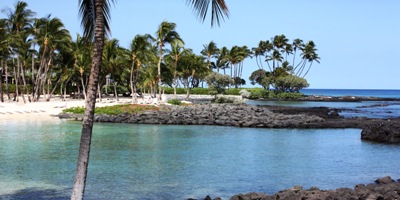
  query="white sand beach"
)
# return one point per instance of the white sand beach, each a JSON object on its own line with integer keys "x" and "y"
{"x": 46, "y": 109}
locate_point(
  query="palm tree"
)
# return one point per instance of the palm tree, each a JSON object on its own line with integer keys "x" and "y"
{"x": 52, "y": 38}
{"x": 81, "y": 51}
{"x": 310, "y": 55}
{"x": 189, "y": 67}
{"x": 112, "y": 62}
{"x": 218, "y": 9}
{"x": 297, "y": 43}
{"x": 139, "y": 51}
{"x": 165, "y": 34}
{"x": 95, "y": 16}
{"x": 222, "y": 59}
{"x": 176, "y": 52}
{"x": 19, "y": 21}
{"x": 210, "y": 50}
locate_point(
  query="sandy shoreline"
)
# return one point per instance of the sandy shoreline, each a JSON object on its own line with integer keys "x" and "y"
{"x": 44, "y": 110}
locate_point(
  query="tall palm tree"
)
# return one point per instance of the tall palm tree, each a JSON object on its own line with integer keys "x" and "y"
{"x": 81, "y": 51}
{"x": 165, "y": 34}
{"x": 310, "y": 55}
{"x": 111, "y": 62}
{"x": 176, "y": 52}
{"x": 52, "y": 38}
{"x": 19, "y": 21}
{"x": 210, "y": 50}
{"x": 95, "y": 16}
{"x": 139, "y": 50}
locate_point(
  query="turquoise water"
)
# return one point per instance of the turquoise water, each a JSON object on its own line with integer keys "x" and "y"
{"x": 180, "y": 162}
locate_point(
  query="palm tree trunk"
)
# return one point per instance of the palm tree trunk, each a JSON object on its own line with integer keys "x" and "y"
{"x": 99, "y": 90}
{"x": 1, "y": 81}
{"x": 33, "y": 73}
{"x": 133, "y": 92}
{"x": 115, "y": 91}
{"x": 21, "y": 76}
{"x": 16, "y": 94}
{"x": 159, "y": 72}
{"x": 83, "y": 87}
{"x": 53, "y": 90}
{"x": 309, "y": 67}
{"x": 38, "y": 75}
{"x": 6, "y": 79}
{"x": 175, "y": 81}
{"x": 90, "y": 102}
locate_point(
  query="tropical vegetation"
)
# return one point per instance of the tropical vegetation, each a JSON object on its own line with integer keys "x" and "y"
{"x": 39, "y": 58}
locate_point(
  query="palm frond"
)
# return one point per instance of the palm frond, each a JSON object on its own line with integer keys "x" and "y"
{"x": 219, "y": 9}
{"x": 87, "y": 12}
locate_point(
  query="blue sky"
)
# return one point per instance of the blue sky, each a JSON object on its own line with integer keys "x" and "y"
{"x": 358, "y": 41}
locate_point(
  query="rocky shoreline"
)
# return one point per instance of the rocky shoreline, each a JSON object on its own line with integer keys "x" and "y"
{"x": 242, "y": 115}
{"x": 383, "y": 189}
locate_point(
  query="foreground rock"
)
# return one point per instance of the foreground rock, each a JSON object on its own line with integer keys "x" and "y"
{"x": 384, "y": 188}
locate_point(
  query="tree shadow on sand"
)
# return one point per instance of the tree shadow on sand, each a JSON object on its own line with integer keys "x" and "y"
{"x": 38, "y": 193}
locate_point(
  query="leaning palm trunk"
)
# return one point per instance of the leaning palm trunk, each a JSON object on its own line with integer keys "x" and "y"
{"x": 22, "y": 75}
{"x": 53, "y": 90}
{"x": 87, "y": 124}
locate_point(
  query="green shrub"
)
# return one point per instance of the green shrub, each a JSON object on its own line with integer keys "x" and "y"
{"x": 175, "y": 102}
{"x": 113, "y": 110}
{"x": 233, "y": 91}
{"x": 200, "y": 91}
{"x": 258, "y": 94}
{"x": 12, "y": 87}
{"x": 221, "y": 99}
{"x": 75, "y": 110}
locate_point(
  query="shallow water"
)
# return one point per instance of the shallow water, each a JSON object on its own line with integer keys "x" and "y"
{"x": 180, "y": 162}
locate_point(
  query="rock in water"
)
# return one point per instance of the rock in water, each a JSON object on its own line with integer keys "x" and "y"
{"x": 383, "y": 132}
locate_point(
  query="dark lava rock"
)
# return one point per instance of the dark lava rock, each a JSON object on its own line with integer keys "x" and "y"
{"x": 385, "y": 132}
{"x": 384, "y": 189}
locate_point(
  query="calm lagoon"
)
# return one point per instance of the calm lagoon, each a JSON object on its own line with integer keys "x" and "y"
{"x": 179, "y": 162}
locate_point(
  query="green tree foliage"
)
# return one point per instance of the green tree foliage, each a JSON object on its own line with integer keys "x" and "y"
{"x": 218, "y": 82}
{"x": 285, "y": 73}
{"x": 290, "y": 83}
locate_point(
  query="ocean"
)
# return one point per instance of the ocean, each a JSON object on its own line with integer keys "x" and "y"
{"x": 353, "y": 92}
{"x": 368, "y": 109}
